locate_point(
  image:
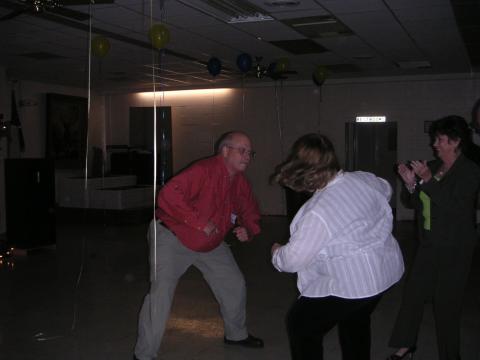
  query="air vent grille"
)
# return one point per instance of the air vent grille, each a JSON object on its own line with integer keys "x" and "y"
{"x": 298, "y": 47}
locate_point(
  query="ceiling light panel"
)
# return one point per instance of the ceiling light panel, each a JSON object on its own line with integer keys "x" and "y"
{"x": 285, "y": 5}
{"x": 225, "y": 9}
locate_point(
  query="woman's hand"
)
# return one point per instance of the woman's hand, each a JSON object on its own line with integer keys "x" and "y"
{"x": 421, "y": 169}
{"x": 407, "y": 175}
{"x": 276, "y": 246}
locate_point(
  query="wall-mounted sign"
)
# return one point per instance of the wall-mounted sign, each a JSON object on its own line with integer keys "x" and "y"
{"x": 370, "y": 119}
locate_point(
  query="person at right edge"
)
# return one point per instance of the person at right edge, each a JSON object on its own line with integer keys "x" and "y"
{"x": 444, "y": 193}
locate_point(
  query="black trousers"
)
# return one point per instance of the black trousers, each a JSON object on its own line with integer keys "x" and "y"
{"x": 439, "y": 276}
{"x": 309, "y": 319}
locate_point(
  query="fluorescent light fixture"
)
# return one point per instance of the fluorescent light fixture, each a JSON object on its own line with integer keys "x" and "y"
{"x": 370, "y": 119}
{"x": 185, "y": 93}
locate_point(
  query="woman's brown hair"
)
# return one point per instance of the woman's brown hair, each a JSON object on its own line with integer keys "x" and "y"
{"x": 311, "y": 164}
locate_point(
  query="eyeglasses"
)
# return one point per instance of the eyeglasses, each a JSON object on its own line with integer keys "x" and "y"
{"x": 242, "y": 151}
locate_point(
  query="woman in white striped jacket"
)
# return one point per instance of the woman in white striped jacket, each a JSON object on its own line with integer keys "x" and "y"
{"x": 341, "y": 246}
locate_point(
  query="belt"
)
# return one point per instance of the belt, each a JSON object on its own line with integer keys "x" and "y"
{"x": 167, "y": 227}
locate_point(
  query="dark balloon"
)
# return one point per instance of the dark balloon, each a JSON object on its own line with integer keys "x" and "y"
{"x": 244, "y": 62}
{"x": 214, "y": 66}
{"x": 320, "y": 75}
{"x": 272, "y": 68}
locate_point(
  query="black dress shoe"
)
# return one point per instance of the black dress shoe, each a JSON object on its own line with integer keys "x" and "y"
{"x": 407, "y": 355}
{"x": 249, "y": 341}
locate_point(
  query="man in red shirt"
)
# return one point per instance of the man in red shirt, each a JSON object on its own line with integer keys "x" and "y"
{"x": 195, "y": 210}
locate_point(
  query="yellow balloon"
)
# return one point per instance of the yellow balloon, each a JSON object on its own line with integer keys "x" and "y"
{"x": 100, "y": 46}
{"x": 282, "y": 65}
{"x": 159, "y": 36}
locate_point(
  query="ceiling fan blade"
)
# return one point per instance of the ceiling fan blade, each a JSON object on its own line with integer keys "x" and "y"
{"x": 12, "y": 15}
{"x": 69, "y": 13}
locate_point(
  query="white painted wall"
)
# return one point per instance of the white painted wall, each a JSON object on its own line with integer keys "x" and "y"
{"x": 273, "y": 116}
{"x": 198, "y": 119}
{"x": 294, "y": 110}
{"x": 408, "y": 101}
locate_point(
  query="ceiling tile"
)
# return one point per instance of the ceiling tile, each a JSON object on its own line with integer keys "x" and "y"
{"x": 270, "y": 30}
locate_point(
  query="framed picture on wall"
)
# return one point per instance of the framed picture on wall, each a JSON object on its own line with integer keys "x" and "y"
{"x": 67, "y": 118}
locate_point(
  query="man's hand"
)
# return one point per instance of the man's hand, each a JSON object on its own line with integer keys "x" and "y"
{"x": 241, "y": 233}
{"x": 275, "y": 246}
{"x": 210, "y": 229}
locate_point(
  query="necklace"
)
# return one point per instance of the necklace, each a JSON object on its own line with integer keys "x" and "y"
{"x": 441, "y": 172}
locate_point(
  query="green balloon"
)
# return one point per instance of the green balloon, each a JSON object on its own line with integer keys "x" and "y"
{"x": 159, "y": 36}
{"x": 320, "y": 75}
{"x": 100, "y": 46}
{"x": 282, "y": 65}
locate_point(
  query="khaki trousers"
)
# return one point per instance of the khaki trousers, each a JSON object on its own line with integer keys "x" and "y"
{"x": 172, "y": 260}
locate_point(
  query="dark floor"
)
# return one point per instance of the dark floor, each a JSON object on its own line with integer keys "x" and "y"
{"x": 80, "y": 299}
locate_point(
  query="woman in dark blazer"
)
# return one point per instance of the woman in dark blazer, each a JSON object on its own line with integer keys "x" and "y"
{"x": 444, "y": 193}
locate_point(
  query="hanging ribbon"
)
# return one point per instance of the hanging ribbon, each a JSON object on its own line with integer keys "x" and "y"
{"x": 15, "y": 121}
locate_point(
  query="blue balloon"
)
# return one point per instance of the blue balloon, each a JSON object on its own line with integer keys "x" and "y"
{"x": 244, "y": 62}
{"x": 214, "y": 66}
{"x": 271, "y": 68}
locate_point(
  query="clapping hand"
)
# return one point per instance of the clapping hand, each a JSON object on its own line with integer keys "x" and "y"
{"x": 407, "y": 175}
{"x": 421, "y": 169}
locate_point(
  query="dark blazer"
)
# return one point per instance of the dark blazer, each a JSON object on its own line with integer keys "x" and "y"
{"x": 439, "y": 271}
{"x": 453, "y": 199}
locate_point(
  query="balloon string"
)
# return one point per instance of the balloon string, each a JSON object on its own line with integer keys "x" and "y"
{"x": 40, "y": 336}
{"x": 243, "y": 99}
{"x": 279, "y": 120}
{"x": 280, "y": 134}
{"x": 154, "y": 53}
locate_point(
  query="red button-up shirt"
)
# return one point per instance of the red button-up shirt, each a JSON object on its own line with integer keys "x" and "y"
{"x": 205, "y": 192}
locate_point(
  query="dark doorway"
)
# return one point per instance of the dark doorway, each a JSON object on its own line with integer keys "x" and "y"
{"x": 372, "y": 147}
{"x": 139, "y": 159}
